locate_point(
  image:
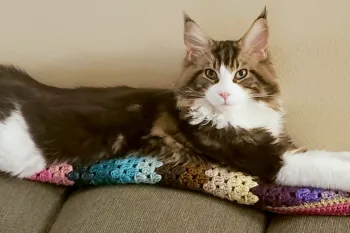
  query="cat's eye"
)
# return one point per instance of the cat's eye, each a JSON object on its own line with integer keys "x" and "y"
{"x": 211, "y": 74}
{"x": 241, "y": 74}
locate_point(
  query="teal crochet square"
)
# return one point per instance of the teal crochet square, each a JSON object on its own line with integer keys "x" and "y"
{"x": 128, "y": 170}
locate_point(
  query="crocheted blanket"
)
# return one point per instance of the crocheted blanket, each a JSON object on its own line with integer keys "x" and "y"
{"x": 211, "y": 179}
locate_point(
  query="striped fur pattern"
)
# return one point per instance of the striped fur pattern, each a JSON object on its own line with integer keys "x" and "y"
{"x": 225, "y": 108}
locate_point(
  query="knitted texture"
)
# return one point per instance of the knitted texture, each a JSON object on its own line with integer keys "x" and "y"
{"x": 234, "y": 186}
{"x": 207, "y": 178}
{"x": 124, "y": 171}
{"x": 56, "y": 174}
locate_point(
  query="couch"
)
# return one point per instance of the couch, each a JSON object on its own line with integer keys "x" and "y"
{"x": 139, "y": 43}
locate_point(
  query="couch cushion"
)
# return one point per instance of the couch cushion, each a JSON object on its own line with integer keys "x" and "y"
{"x": 308, "y": 224}
{"x": 153, "y": 209}
{"x": 28, "y": 206}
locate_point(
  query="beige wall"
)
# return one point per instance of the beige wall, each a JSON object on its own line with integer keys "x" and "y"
{"x": 69, "y": 43}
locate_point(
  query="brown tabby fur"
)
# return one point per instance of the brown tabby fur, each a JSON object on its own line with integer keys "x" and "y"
{"x": 84, "y": 125}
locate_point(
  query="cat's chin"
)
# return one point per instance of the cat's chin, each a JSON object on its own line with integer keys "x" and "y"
{"x": 211, "y": 107}
{"x": 224, "y": 108}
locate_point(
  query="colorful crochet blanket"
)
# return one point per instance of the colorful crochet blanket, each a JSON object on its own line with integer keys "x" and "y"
{"x": 210, "y": 179}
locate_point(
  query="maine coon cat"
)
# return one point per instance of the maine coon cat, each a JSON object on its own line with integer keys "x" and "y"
{"x": 225, "y": 108}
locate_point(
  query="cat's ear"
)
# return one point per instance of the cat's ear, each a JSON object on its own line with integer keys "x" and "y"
{"x": 255, "y": 41}
{"x": 196, "y": 41}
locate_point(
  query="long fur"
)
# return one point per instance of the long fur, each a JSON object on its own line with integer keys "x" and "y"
{"x": 225, "y": 107}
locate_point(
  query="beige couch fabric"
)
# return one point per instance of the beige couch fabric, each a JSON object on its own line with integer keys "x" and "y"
{"x": 153, "y": 209}
{"x": 28, "y": 207}
{"x": 308, "y": 224}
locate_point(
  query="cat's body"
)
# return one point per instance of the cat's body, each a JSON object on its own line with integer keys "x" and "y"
{"x": 226, "y": 107}
{"x": 80, "y": 125}
{"x": 84, "y": 125}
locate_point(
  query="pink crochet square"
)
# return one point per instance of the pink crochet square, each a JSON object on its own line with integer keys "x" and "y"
{"x": 56, "y": 174}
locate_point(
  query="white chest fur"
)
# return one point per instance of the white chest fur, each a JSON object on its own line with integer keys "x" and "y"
{"x": 248, "y": 116}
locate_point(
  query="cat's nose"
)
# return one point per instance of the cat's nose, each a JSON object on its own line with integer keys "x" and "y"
{"x": 224, "y": 95}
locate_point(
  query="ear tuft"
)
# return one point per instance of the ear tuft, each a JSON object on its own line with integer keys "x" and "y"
{"x": 263, "y": 14}
{"x": 186, "y": 17}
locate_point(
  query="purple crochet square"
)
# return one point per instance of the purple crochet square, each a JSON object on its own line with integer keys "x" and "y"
{"x": 309, "y": 194}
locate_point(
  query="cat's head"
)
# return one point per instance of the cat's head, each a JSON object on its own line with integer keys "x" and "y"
{"x": 228, "y": 74}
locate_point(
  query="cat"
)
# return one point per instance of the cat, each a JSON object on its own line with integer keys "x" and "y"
{"x": 225, "y": 108}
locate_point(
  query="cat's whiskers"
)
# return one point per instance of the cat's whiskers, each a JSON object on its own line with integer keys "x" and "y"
{"x": 263, "y": 96}
{"x": 190, "y": 92}
{"x": 191, "y": 89}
